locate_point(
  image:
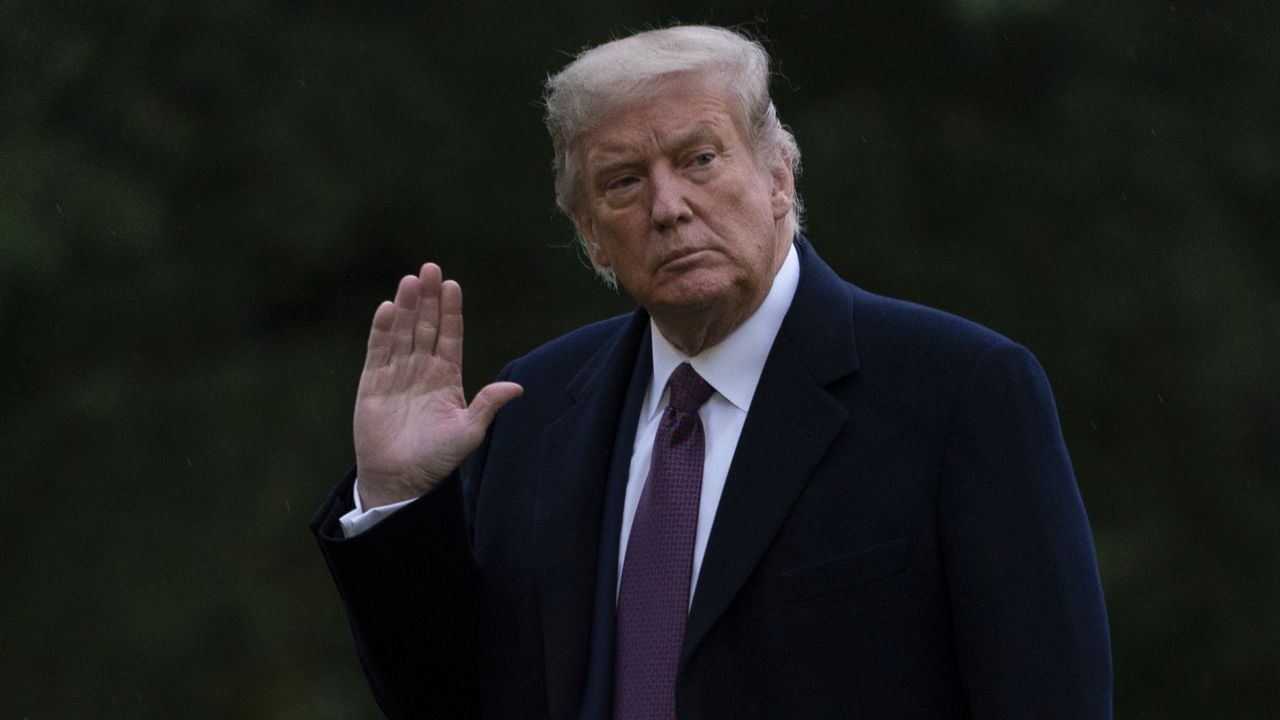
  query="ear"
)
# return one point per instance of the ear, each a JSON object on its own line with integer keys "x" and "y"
{"x": 587, "y": 229}
{"x": 784, "y": 186}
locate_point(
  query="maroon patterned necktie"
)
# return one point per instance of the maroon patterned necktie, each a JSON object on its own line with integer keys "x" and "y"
{"x": 653, "y": 600}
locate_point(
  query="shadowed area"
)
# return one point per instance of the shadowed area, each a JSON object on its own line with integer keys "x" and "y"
{"x": 202, "y": 204}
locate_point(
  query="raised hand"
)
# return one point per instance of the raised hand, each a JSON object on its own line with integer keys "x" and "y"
{"x": 412, "y": 423}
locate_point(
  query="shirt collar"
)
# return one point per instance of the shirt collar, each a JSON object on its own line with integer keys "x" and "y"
{"x": 733, "y": 366}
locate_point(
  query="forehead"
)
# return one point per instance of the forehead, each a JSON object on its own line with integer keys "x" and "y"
{"x": 672, "y": 113}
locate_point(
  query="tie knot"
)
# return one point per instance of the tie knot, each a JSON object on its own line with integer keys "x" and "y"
{"x": 688, "y": 390}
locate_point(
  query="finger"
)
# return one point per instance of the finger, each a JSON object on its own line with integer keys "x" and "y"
{"x": 428, "y": 322}
{"x": 449, "y": 342}
{"x": 380, "y": 336}
{"x": 405, "y": 317}
{"x": 490, "y": 400}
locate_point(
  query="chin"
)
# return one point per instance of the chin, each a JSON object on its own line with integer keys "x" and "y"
{"x": 695, "y": 294}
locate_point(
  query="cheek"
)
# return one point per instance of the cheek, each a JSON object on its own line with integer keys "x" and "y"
{"x": 626, "y": 250}
{"x": 610, "y": 237}
{"x": 750, "y": 205}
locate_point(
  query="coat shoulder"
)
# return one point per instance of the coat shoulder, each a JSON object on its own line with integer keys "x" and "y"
{"x": 833, "y": 317}
{"x": 557, "y": 362}
{"x": 890, "y": 325}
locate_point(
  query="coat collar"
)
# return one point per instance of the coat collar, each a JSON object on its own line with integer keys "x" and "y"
{"x": 792, "y": 421}
{"x": 570, "y": 507}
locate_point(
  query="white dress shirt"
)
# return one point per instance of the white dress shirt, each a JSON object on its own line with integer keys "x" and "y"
{"x": 732, "y": 367}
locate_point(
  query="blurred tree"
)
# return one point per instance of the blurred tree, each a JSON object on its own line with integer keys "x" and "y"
{"x": 203, "y": 202}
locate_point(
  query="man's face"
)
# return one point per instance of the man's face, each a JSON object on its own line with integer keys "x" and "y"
{"x": 675, "y": 202}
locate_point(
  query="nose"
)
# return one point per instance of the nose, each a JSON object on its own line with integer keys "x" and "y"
{"x": 670, "y": 206}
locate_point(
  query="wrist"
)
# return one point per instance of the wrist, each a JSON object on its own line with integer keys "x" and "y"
{"x": 376, "y": 491}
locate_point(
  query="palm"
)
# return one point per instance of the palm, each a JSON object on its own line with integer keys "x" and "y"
{"x": 412, "y": 423}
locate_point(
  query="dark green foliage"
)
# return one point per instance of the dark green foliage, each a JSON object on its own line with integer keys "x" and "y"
{"x": 201, "y": 204}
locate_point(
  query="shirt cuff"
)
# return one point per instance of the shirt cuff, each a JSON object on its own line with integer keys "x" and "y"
{"x": 358, "y": 519}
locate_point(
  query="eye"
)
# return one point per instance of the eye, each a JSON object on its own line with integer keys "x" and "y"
{"x": 622, "y": 183}
{"x": 704, "y": 159}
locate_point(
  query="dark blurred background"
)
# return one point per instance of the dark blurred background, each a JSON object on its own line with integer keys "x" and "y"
{"x": 201, "y": 204}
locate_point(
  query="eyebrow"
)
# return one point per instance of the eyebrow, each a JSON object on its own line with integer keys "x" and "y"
{"x": 702, "y": 134}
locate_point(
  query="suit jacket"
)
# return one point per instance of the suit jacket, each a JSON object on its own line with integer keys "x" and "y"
{"x": 900, "y": 536}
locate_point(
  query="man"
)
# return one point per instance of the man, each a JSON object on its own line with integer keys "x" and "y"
{"x": 766, "y": 493}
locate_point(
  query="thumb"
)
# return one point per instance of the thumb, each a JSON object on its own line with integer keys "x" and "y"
{"x": 490, "y": 400}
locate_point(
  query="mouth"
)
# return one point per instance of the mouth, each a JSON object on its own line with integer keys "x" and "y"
{"x": 682, "y": 257}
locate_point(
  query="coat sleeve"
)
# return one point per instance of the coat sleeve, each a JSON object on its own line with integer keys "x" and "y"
{"x": 1027, "y": 608}
{"x": 409, "y": 585}
{"x": 411, "y": 589}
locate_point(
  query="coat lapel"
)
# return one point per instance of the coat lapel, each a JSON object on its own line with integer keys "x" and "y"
{"x": 791, "y": 424}
{"x": 577, "y": 450}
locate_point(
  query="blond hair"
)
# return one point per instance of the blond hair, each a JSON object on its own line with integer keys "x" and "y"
{"x": 622, "y": 72}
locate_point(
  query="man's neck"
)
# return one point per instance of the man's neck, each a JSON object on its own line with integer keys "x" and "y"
{"x": 734, "y": 365}
{"x": 693, "y": 331}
